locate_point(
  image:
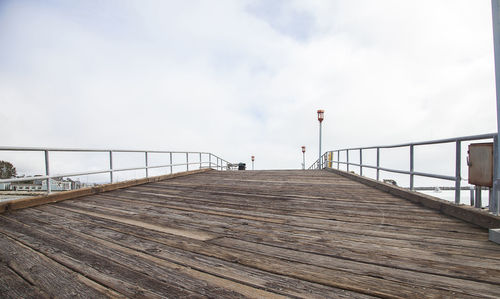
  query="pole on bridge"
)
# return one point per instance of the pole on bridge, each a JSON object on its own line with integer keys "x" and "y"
{"x": 303, "y": 157}
{"x": 495, "y": 7}
{"x": 321, "y": 116}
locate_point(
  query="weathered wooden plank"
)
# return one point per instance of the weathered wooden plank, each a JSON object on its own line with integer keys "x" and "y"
{"x": 12, "y": 285}
{"x": 414, "y": 259}
{"x": 347, "y": 214}
{"x": 323, "y": 224}
{"x": 96, "y": 267}
{"x": 427, "y": 280}
{"x": 195, "y": 218}
{"x": 337, "y": 199}
{"x": 469, "y": 214}
{"x": 46, "y": 275}
{"x": 122, "y": 234}
{"x": 145, "y": 262}
{"x": 198, "y": 235}
{"x": 346, "y": 280}
{"x": 282, "y": 232}
{"x": 56, "y": 197}
{"x": 168, "y": 193}
{"x": 316, "y": 208}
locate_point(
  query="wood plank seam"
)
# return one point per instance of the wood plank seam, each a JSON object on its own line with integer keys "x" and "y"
{"x": 277, "y": 222}
{"x": 239, "y": 286}
{"x": 280, "y": 273}
{"x": 81, "y": 276}
{"x": 215, "y": 242}
{"x": 80, "y": 273}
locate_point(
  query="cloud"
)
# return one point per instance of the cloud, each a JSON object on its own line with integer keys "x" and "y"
{"x": 242, "y": 78}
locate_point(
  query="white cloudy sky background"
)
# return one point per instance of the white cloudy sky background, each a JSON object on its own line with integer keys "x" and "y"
{"x": 242, "y": 78}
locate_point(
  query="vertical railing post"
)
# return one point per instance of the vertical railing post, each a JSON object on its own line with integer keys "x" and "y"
{"x": 111, "y": 166}
{"x": 412, "y": 167}
{"x": 494, "y": 198}
{"x": 187, "y": 161}
{"x": 338, "y": 159}
{"x": 495, "y": 9}
{"x": 303, "y": 160}
{"x": 47, "y": 170}
{"x": 347, "y": 154}
{"x": 200, "y": 160}
{"x": 330, "y": 165}
{"x": 171, "y": 167}
{"x": 360, "y": 161}
{"x": 210, "y": 160}
{"x": 378, "y": 163}
{"x": 478, "y": 200}
{"x": 458, "y": 164}
{"x": 146, "y": 162}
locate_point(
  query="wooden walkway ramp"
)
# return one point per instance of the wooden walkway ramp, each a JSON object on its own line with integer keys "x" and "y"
{"x": 257, "y": 234}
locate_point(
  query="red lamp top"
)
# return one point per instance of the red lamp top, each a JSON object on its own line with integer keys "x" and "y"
{"x": 303, "y": 149}
{"x": 253, "y": 158}
{"x": 321, "y": 115}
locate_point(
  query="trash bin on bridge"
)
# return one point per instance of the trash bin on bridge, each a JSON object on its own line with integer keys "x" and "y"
{"x": 242, "y": 166}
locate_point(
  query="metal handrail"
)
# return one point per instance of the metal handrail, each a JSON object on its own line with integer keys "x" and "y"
{"x": 323, "y": 161}
{"x": 213, "y": 161}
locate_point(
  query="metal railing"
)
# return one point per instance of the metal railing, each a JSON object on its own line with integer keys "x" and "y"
{"x": 205, "y": 159}
{"x": 324, "y": 162}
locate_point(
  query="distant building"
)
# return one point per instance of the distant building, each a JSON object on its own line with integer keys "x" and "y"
{"x": 25, "y": 187}
{"x": 4, "y": 186}
{"x": 56, "y": 184}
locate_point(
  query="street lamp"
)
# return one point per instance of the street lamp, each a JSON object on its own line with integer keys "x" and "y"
{"x": 321, "y": 116}
{"x": 253, "y": 159}
{"x": 303, "y": 157}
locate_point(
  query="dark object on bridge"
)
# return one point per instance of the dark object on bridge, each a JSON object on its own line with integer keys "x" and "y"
{"x": 242, "y": 166}
{"x": 388, "y": 181}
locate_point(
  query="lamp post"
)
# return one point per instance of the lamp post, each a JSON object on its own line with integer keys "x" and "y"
{"x": 253, "y": 159}
{"x": 303, "y": 157}
{"x": 321, "y": 116}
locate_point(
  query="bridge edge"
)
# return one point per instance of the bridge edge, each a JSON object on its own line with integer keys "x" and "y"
{"x": 462, "y": 212}
{"x": 28, "y": 202}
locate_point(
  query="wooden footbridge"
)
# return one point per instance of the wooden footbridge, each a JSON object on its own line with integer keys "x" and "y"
{"x": 256, "y": 234}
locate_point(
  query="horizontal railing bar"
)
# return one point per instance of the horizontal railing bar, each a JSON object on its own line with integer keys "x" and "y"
{"x": 447, "y": 188}
{"x": 35, "y": 149}
{"x": 168, "y": 165}
{"x": 159, "y": 166}
{"x": 447, "y": 140}
{"x": 220, "y": 159}
{"x": 44, "y": 177}
{"x": 436, "y": 176}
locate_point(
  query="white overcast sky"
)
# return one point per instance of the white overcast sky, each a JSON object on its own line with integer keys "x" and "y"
{"x": 242, "y": 78}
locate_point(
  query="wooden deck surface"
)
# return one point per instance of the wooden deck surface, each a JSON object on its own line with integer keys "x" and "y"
{"x": 258, "y": 234}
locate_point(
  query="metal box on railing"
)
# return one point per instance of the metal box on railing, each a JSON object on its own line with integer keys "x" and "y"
{"x": 480, "y": 161}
